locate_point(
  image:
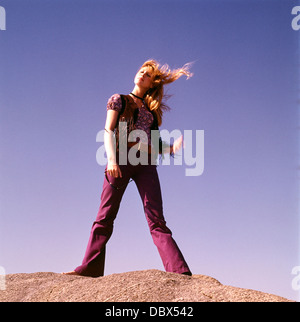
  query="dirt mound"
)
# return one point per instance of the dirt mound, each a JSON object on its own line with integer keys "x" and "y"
{"x": 139, "y": 286}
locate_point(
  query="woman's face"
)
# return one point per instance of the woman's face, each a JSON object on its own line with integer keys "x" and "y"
{"x": 144, "y": 78}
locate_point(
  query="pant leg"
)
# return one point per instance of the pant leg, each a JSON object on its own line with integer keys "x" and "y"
{"x": 94, "y": 259}
{"x": 148, "y": 185}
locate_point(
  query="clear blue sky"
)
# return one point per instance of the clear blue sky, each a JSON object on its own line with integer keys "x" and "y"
{"x": 59, "y": 63}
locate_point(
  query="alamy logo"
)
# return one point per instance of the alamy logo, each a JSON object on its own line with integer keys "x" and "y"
{"x": 2, "y": 18}
{"x": 296, "y": 279}
{"x": 296, "y": 20}
{"x": 2, "y": 279}
{"x": 192, "y": 155}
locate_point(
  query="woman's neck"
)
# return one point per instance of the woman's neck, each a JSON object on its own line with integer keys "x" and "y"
{"x": 138, "y": 91}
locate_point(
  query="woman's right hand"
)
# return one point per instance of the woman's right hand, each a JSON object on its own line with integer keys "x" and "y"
{"x": 114, "y": 170}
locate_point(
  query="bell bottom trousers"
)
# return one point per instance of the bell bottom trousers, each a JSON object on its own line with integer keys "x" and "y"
{"x": 147, "y": 182}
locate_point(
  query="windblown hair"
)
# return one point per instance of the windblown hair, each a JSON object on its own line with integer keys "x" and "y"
{"x": 162, "y": 75}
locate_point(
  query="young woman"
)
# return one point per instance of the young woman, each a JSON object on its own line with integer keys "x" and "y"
{"x": 142, "y": 109}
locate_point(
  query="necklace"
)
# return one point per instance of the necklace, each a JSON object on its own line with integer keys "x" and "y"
{"x": 137, "y": 97}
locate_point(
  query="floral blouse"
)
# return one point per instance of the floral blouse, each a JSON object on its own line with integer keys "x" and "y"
{"x": 144, "y": 120}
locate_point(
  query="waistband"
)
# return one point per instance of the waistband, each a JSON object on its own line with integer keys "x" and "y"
{"x": 141, "y": 150}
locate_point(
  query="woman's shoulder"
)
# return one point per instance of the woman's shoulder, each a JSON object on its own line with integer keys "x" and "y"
{"x": 115, "y": 97}
{"x": 114, "y": 103}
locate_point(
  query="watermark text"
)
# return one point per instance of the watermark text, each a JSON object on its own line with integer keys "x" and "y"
{"x": 296, "y": 20}
{"x": 192, "y": 155}
{"x": 296, "y": 279}
{"x": 2, "y": 18}
{"x": 2, "y": 279}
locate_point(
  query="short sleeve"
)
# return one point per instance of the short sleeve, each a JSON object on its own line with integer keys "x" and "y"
{"x": 115, "y": 103}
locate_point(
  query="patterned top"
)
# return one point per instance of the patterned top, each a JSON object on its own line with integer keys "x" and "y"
{"x": 144, "y": 120}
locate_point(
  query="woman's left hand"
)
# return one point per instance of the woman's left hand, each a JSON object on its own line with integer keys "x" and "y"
{"x": 177, "y": 144}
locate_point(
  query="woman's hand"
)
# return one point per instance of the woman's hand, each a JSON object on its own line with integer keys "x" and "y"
{"x": 177, "y": 144}
{"x": 114, "y": 170}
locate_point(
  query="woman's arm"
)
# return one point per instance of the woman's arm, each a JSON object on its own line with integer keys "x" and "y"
{"x": 112, "y": 167}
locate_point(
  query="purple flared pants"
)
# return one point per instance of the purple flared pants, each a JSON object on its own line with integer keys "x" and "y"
{"x": 147, "y": 181}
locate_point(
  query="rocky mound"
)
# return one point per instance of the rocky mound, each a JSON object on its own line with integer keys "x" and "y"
{"x": 139, "y": 286}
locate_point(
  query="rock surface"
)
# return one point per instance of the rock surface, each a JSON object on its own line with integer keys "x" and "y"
{"x": 139, "y": 286}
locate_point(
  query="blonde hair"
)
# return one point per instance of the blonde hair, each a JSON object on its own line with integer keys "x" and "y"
{"x": 162, "y": 75}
